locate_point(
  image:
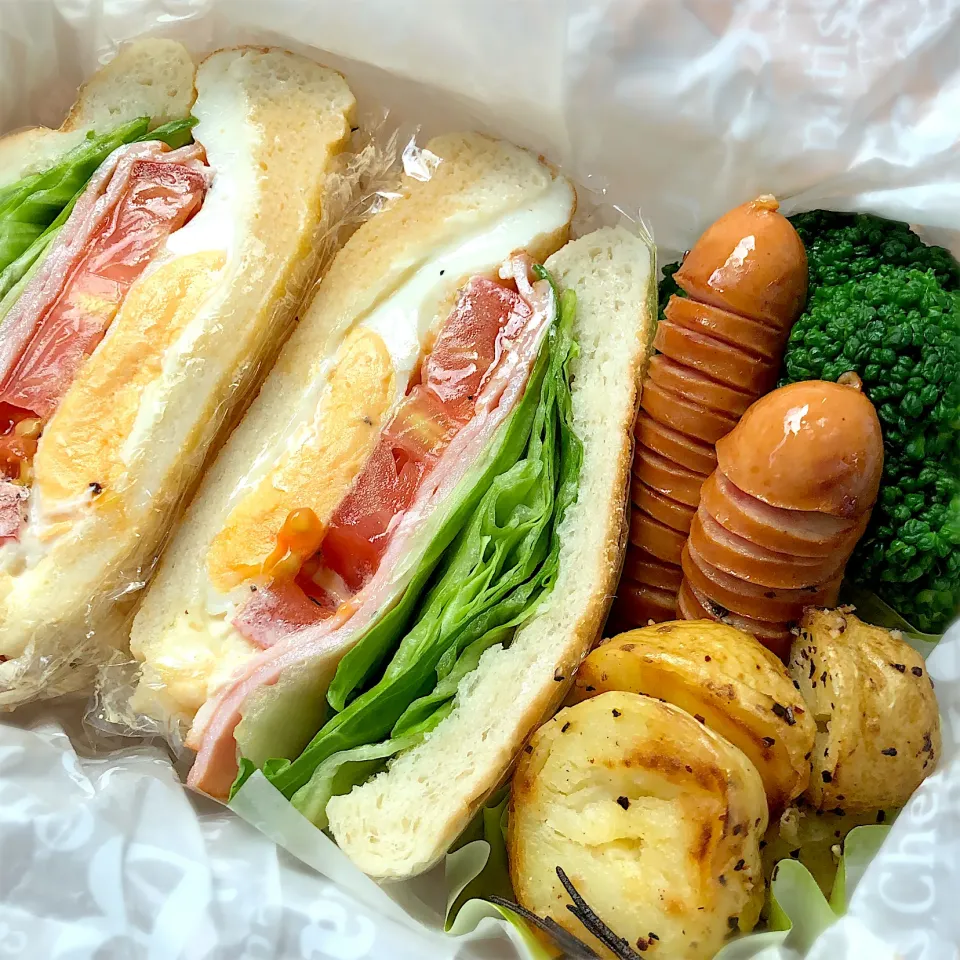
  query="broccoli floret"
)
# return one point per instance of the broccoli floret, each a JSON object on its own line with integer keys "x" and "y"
{"x": 668, "y": 287}
{"x": 847, "y": 246}
{"x": 886, "y": 307}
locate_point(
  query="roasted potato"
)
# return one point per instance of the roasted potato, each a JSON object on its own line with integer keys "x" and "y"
{"x": 878, "y": 728}
{"x": 723, "y": 677}
{"x": 655, "y": 819}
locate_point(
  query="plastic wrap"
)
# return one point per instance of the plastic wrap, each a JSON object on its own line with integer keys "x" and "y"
{"x": 63, "y": 654}
{"x": 672, "y": 111}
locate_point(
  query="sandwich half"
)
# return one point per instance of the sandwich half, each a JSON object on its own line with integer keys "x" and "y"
{"x": 400, "y": 822}
{"x": 435, "y": 470}
{"x": 150, "y": 268}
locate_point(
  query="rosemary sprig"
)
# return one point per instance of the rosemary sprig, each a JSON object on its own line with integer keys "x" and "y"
{"x": 574, "y": 949}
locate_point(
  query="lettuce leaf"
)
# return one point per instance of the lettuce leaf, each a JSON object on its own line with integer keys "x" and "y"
{"x": 504, "y": 562}
{"x": 34, "y": 208}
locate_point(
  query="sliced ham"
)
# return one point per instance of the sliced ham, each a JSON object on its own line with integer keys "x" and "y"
{"x": 275, "y": 611}
{"x": 321, "y": 647}
{"x": 13, "y": 498}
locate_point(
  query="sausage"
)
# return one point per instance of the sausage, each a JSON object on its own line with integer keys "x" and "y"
{"x": 693, "y": 605}
{"x": 672, "y": 480}
{"x": 802, "y": 533}
{"x": 778, "y": 519}
{"x": 750, "y": 262}
{"x": 697, "y": 387}
{"x": 643, "y": 567}
{"x": 638, "y": 603}
{"x": 744, "y": 559}
{"x": 728, "y": 364}
{"x": 676, "y": 515}
{"x": 719, "y": 349}
{"x": 754, "y": 600}
{"x": 657, "y": 538}
{"x": 683, "y": 415}
{"x": 683, "y": 450}
{"x": 766, "y": 343}
{"x": 812, "y": 445}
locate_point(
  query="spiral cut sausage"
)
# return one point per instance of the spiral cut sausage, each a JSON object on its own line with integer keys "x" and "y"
{"x": 719, "y": 349}
{"x": 779, "y": 517}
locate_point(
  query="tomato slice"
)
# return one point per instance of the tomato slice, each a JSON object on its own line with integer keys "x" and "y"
{"x": 467, "y": 349}
{"x": 159, "y": 198}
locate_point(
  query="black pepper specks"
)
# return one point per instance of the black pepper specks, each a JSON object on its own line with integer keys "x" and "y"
{"x": 739, "y": 865}
{"x": 565, "y": 727}
{"x": 899, "y": 667}
{"x": 917, "y": 671}
{"x": 768, "y": 741}
{"x": 889, "y": 752}
{"x": 826, "y": 776}
{"x": 624, "y": 802}
{"x": 615, "y": 712}
{"x": 589, "y": 689}
{"x": 528, "y": 748}
{"x": 784, "y": 713}
{"x": 558, "y": 676}
{"x": 707, "y": 659}
{"x": 95, "y": 488}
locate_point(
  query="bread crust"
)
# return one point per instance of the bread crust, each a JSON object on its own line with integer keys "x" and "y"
{"x": 290, "y": 119}
{"x": 402, "y": 822}
{"x": 152, "y": 77}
